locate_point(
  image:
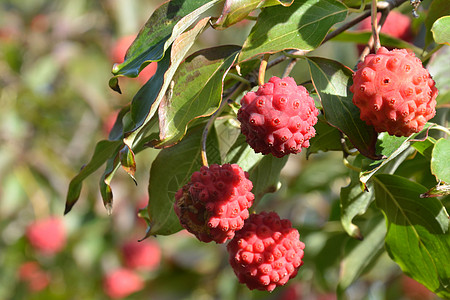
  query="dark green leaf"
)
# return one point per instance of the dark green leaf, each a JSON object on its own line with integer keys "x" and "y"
{"x": 440, "y": 160}
{"x": 197, "y": 91}
{"x": 360, "y": 254}
{"x": 265, "y": 175}
{"x": 103, "y": 150}
{"x": 126, "y": 157}
{"x": 441, "y": 30}
{"x": 331, "y": 81}
{"x": 171, "y": 169}
{"x": 327, "y": 138}
{"x": 303, "y": 26}
{"x": 425, "y": 147}
{"x": 417, "y": 237}
{"x": 166, "y": 24}
{"x": 355, "y": 200}
{"x": 241, "y": 154}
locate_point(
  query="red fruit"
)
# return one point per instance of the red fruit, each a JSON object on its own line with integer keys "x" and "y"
{"x": 47, "y": 236}
{"x": 394, "y": 92}
{"x": 31, "y": 273}
{"x": 121, "y": 283}
{"x": 118, "y": 56}
{"x": 145, "y": 255}
{"x": 396, "y": 25}
{"x": 213, "y": 205}
{"x": 278, "y": 118}
{"x": 266, "y": 252}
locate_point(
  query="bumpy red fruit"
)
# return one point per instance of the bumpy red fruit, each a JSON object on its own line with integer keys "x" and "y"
{"x": 394, "y": 92}
{"x": 278, "y": 118}
{"x": 266, "y": 252}
{"x": 214, "y": 204}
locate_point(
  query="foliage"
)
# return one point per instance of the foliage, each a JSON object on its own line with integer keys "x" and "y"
{"x": 368, "y": 206}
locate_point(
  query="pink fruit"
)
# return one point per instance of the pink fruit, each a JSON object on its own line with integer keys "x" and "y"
{"x": 266, "y": 252}
{"x": 121, "y": 283}
{"x": 31, "y": 273}
{"x": 118, "y": 56}
{"x": 278, "y": 118}
{"x": 394, "y": 92}
{"x": 214, "y": 204}
{"x": 145, "y": 255}
{"x": 47, "y": 236}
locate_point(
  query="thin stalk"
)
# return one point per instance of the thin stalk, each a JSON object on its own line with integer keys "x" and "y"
{"x": 289, "y": 67}
{"x": 262, "y": 69}
{"x": 374, "y": 22}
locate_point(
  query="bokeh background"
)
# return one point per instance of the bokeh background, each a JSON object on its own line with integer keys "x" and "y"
{"x": 55, "y": 104}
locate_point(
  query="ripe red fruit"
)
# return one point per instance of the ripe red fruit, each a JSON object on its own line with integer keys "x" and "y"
{"x": 47, "y": 236}
{"x": 396, "y": 25}
{"x": 145, "y": 255}
{"x": 214, "y": 204}
{"x": 394, "y": 92}
{"x": 118, "y": 55}
{"x": 31, "y": 273}
{"x": 266, "y": 252}
{"x": 278, "y": 118}
{"x": 121, "y": 283}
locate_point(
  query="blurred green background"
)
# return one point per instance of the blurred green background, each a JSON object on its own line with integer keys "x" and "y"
{"x": 55, "y": 104}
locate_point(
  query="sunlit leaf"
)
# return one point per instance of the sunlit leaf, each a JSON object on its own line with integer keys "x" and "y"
{"x": 327, "y": 138}
{"x": 166, "y": 24}
{"x": 440, "y": 160}
{"x": 417, "y": 238}
{"x": 437, "y": 9}
{"x": 197, "y": 91}
{"x": 236, "y": 10}
{"x": 146, "y": 101}
{"x": 441, "y": 30}
{"x": 303, "y": 26}
{"x": 332, "y": 80}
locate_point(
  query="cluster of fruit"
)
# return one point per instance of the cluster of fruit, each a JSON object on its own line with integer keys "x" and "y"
{"x": 394, "y": 93}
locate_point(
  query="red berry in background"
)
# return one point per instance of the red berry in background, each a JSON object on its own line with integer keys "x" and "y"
{"x": 214, "y": 204}
{"x": 118, "y": 56}
{"x": 47, "y": 235}
{"x": 394, "y": 92}
{"x": 278, "y": 118}
{"x": 415, "y": 290}
{"x": 266, "y": 252}
{"x": 396, "y": 25}
{"x": 122, "y": 283}
{"x": 145, "y": 255}
{"x": 31, "y": 273}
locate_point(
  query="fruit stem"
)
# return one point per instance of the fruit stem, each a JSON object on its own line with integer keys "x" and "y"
{"x": 289, "y": 67}
{"x": 239, "y": 78}
{"x": 429, "y": 54}
{"x": 239, "y": 88}
{"x": 376, "y": 37}
{"x": 262, "y": 69}
{"x": 350, "y": 166}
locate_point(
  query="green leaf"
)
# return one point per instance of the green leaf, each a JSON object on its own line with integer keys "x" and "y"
{"x": 361, "y": 254}
{"x": 439, "y": 69}
{"x": 438, "y": 8}
{"x": 103, "y": 150}
{"x": 302, "y": 26}
{"x": 105, "y": 182}
{"x": 164, "y": 26}
{"x": 440, "y": 160}
{"x": 265, "y": 175}
{"x": 417, "y": 231}
{"x": 127, "y": 160}
{"x": 169, "y": 172}
{"x": 425, "y": 147}
{"x": 146, "y": 101}
{"x": 227, "y": 133}
{"x": 197, "y": 91}
{"x": 243, "y": 155}
{"x": 441, "y": 30}
{"x": 332, "y": 81}
{"x": 237, "y": 10}
{"x": 355, "y": 200}
{"x": 327, "y": 138}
